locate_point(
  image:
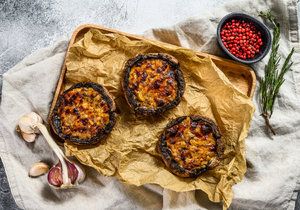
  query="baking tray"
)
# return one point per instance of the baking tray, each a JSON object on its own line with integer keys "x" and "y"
{"x": 240, "y": 75}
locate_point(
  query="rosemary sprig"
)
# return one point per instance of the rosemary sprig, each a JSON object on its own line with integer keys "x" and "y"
{"x": 274, "y": 78}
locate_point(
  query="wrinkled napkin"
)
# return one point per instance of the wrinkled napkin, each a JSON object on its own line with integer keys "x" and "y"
{"x": 272, "y": 176}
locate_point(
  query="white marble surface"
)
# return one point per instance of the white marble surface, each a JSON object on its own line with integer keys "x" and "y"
{"x": 28, "y": 25}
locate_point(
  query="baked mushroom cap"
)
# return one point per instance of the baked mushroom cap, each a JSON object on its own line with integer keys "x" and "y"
{"x": 190, "y": 145}
{"x": 84, "y": 114}
{"x": 153, "y": 83}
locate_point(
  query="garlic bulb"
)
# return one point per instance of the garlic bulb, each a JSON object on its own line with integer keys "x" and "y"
{"x": 38, "y": 169}
{"x": 65, "y": 174}
{"x": 27, "y": 126}
{"x": 75, "y": 175}
{"x": 27, "y": 123}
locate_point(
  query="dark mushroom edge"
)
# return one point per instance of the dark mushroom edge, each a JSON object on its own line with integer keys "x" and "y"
{"x": 55, "y": 121}
{"x": 129, "y": 93}
{"x": 168, "y": 158}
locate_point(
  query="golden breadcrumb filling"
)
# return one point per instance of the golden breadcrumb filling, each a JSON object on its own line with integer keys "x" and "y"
{"x": 191, "y": 143}
{"x": 153, "y": 83}
{"x": 83, "y": 113}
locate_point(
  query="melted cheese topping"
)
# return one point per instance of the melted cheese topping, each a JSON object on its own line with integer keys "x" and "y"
{"x": 153, "y": 83}
{"x": 83, "y": 113}
{"x": 191, "y": 143}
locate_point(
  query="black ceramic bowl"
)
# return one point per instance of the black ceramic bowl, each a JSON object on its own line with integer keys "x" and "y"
{"x": 265, "y": 33}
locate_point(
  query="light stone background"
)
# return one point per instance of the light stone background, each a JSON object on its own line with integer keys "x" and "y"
{"x": 27, "y": 25}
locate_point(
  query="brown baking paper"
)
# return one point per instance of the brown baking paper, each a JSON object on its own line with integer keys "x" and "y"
{"x": 129, "y": 151}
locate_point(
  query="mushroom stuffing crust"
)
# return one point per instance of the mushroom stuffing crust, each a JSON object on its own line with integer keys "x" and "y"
{"x": 153, "y": 83}
{"x": 84, "y": 114}
{"x": 190, "y": 145}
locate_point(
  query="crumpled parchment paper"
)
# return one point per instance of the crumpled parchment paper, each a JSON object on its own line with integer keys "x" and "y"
{"x": 129, "y": 151}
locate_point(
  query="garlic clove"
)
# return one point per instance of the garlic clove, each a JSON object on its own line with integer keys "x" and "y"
{"x": 54, "y": 176}
{"x": 81, "y": 174}
{"x": 27, "y": 123}
{"x": 76, "y": 175}
{"x": 72, "y": 172}
{"x": 38, "y": 169}
{"x": 29, "y": 137}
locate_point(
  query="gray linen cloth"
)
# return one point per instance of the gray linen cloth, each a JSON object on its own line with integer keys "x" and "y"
{"x": 273, "y": 174}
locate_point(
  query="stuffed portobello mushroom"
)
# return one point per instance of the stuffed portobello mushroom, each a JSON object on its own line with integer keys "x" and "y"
{"x": 153, "y": 83}
{"x": 190, "y": 145}
{"x": 84, "y": 114}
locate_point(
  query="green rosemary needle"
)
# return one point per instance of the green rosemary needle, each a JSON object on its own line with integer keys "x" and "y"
{"x": 274, "y": 77}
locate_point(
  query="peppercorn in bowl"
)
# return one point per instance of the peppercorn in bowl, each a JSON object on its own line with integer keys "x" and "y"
{"x": 243, "y": 38}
